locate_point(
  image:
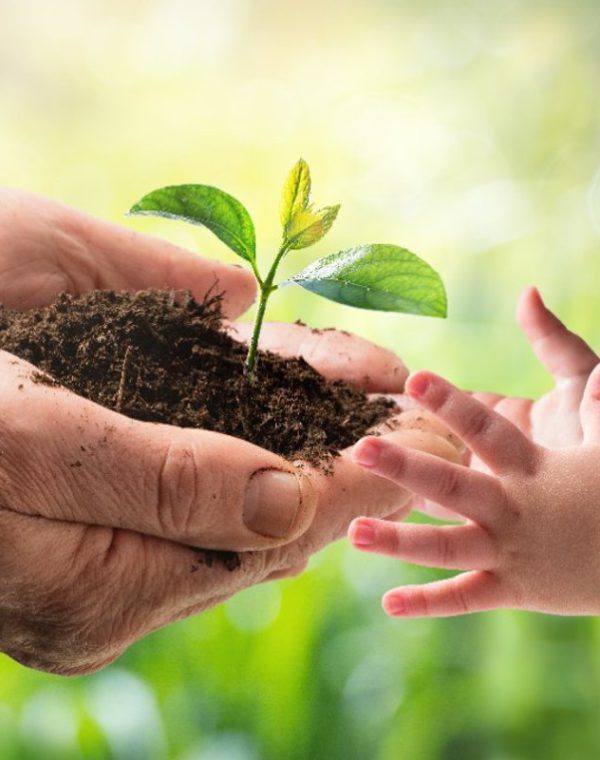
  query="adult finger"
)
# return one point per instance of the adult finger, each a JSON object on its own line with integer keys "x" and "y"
{"x": 564, "y": 354}
{"x": 71, "y": 459}
{"x": 74, "y": 596}
{"x": 466, "y": 593}
{"x": 472, "y": 494}
{"x": 342, "y": 494}
{"x": 491, "y": 437}
{"x": 419, "y": 419}
{"x": 155, "y": 581}
{"x": 335, "y": 354}
{"x": 458, "y": 547}
{"x": 175, "y": 581}
{"x": 125, "y": 259}
{"x": 589, "y": 411}
{"x": 81, "y": 253}
{"x": 287, "y": 572}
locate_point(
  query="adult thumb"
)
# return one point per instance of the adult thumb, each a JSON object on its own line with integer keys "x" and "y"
{"x": 71, "y": 459}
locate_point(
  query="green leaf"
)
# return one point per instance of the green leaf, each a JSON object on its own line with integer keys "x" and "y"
{"x": 296, "y": 193}
{"x": 207, "y": 206}
{"x": 380, "y": 277}
{"x": 308, "y": 227}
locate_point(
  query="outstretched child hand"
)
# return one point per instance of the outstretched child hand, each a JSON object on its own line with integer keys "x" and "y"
{"x": 552, "y": 420}
{"x": 532, "y": 536}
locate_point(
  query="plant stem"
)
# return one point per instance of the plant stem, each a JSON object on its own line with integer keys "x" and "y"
{"x": 266, "y": 288}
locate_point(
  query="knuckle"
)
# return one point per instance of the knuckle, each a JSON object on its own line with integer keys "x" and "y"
{"x": 461, "y": 601}
{"x": 394, "y": 465}
{"x": 512, "y": 512}
{"x": 478, "y": 424}
{"x": 449, "y": 483}
{"x": 391, "y": 539}
{"x": 441, "y": 399}
{"x": 443, "y": 550}
{"x": 179, "y": 487}
{"x": 258, "y": 565}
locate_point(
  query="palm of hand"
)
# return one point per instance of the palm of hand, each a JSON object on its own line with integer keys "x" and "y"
{"x": 553, "y": 420}
{"x": 116, "y": 536}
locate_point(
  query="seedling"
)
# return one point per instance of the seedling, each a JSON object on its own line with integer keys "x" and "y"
{"x": 376, "y": 276}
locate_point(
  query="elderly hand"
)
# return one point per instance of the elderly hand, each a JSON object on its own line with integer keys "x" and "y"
{"x": 98, "y": 512}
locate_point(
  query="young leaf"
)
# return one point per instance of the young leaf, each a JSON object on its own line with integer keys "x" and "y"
{"x": 380, "y": 277}
{"x": 207, "y": 206}
{"x": 308, "y": 227}
{"x": 296, "y": 193}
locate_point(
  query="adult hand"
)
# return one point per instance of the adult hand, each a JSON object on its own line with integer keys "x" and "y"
{"x": 46, "y": 248}
{"x": 97, "y": 511}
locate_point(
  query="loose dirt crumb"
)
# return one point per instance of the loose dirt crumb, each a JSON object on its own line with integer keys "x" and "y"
{"x": 160, "y": 356}
{"x": 183, "y": 369}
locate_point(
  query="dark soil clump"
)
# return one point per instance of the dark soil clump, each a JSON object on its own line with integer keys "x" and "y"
{"x": 160, "y": 356}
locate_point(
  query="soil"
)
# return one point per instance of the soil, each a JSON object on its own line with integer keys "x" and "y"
{"x": 160, "y": 356}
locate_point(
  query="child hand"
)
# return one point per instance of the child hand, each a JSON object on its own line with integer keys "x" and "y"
{"x": 553, "y": 420}
{"x": 532, "y": 536}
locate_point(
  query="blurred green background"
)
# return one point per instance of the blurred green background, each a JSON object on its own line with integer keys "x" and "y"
{"x": 468, "y": 131}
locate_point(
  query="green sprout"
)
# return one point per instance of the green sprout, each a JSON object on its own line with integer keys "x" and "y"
{"x": 375, "y": 276}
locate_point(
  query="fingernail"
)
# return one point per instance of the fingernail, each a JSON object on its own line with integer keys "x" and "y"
{"x": 274, "y": 502}
{"x": 419, "y": 384}
{"x": 393, "y": 605}
{"x": 362, "y": 534}
{"x": 367, "y": 452}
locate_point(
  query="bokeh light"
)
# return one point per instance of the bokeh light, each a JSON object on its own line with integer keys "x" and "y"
{"x": 466, "y": 130}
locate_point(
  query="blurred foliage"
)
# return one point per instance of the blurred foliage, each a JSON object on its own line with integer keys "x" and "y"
{"x": 469, "y": 132}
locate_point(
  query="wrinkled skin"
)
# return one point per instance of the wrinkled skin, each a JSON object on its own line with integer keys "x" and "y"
{"x": 95, "y": 541}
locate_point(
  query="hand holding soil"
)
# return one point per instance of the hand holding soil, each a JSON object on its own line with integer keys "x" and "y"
{"x": 100, "y": 513}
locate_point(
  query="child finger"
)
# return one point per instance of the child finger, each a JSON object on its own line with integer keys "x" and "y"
{"x": 589, "y": 411}
{"x": 473, "y": 494}
{"x": 518, "y": 411}
{"x": 561, "y": 352}
{"x": 494, "y": 439}
{"x": 457, "y": 547}
{"x": 487, "y": 398}
{"x": 466, "y": 593}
